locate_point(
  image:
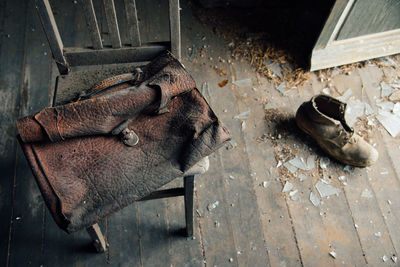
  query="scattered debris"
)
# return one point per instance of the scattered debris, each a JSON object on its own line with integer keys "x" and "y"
{"x": 265, "y": 184}
{"x": 348, "y": 168}
{"x": 199, "y": 213}
{"x": 324, "y": 162}
{"x": 326, "y": 91}
{"x": 205, "y": 89}
{"x": 223, "y": 83}
{"x": 243, "y": 125}
{"x": 288, "y": 186}
{"x": 293, "y": 193}
{"x": 270, "y": 105}
{"x": 192, "y": 54}
{"x": 314, "y": 199}
{"x": 281, "y": 88}
{"x": 367, "y": 193}
{"x": 243, "y": 82}
{"x": 242, "y": 116}
{"x": 387, "y": 61}
{"x": 333, "y": 254}
{"x": 279, "y": 164}
{"x": 326, "y": 190}
{"x": 384, "y": 258}
{"x": 212, "y": 206}
{"x": 276, "y": 69}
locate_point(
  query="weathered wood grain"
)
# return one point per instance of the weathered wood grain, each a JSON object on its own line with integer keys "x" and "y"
{"x": 370, "y": 16}
{"x": 11, "y": 83}
{"x": 112, "y": 23}
{"x": 53, "y": 36}
{"x": 27, "y": 237}
{"x": 132, "y": 23}
{"x": 175, "y": 27}
{"x": 91, "y": 22}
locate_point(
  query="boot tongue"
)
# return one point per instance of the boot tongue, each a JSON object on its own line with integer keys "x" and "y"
{"x": 331, "y": 111}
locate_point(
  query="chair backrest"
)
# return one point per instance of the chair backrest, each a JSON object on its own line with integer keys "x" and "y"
{"x": 98, "y": 54}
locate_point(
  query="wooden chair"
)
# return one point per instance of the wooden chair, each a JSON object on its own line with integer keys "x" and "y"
{"x": 109, "y": 61}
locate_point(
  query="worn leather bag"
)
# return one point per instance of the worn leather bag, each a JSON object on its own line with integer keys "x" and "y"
{"x": 119, "y": 141}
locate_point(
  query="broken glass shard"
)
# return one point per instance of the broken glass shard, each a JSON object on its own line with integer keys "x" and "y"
{"x": 385, "y": 105}
{"x": 266, "y": 184}
{"x": 288, "y": 186}
{"x": 270, "y": 105}
{"x": 326, "y": 91}
{"x": 243, "y": 82}
{"x": 276, "y": 69}
{"x": 390, "y": 122}
{"x": 242, "y": 116}
{"x": 281, "y": 88}
{"x": 303, "y": 177}
{"x": 396, "y": 109}
{"x": 326, "y": 190}
{"x": 354, "y": 109}
{"x": 324, "y": 162}
{"x": 290, "y": 167}
{"x": 333, "y": 254}
{"x": 212, "y": 206}
{"x": 368, "y": 109}
{"x": 367, "y": 193}
{"x": 346, "y": 95}
{"x": 386, "y": 90}
{"x": 314, "y": 199}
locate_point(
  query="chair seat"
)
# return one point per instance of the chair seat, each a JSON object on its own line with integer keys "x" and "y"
{"x": 200, "y": 167}
{"x": 69, "y": 86}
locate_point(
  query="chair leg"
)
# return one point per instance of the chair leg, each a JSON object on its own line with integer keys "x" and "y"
{"x": 189, "y": 190}
{"x": 97, "y": 237}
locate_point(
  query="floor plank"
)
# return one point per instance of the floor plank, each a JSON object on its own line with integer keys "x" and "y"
{"x": 27, "y": 237}
{"x": 11, "y": 72}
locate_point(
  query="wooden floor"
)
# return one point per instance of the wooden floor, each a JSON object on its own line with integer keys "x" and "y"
{"x": 254, "y": 223}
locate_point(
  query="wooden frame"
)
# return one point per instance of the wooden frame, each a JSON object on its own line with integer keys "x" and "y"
{"x": 98, "y": 55}
{"x": 187, "y": 191}
{"x": 330, "y": 52}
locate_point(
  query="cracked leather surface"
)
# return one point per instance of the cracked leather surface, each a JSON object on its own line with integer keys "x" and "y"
{"x": 85, "y": 173}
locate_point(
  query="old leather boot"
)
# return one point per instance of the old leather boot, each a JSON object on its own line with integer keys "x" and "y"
{"x": 323, "y": 118}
